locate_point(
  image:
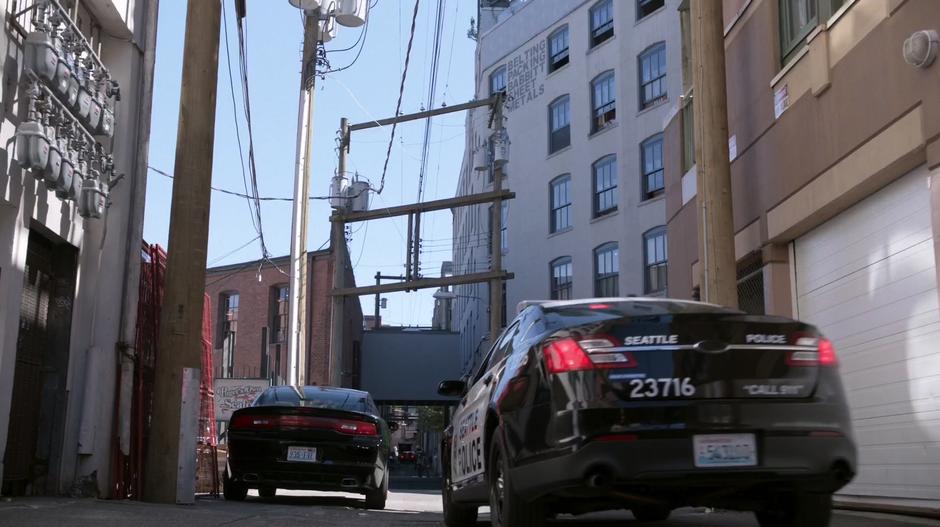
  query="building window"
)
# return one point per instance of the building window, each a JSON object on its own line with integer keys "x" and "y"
{"x": 558, "y": 49}
{"x": 798, "y": 18}
{"x": 602, "y": 22}
{"x": 607, "y": 270}
{"x": 498, "y": 80}
{"x": 645, "y": 8}
{"x": 561, "y": 278}
{"x": 228, "y": 329}
{"x": 651, "y": 160}
{"x": 688, "y": 135}
{"x": 605, "y": 185}
{"x": 559, "y": 116}
{"x": 561, "y": 203}
{"x": 654, "y": 258}
{"x": 604, "y": 101}
{"x": 279, "y": 325}
{"x": 653, "y": 75}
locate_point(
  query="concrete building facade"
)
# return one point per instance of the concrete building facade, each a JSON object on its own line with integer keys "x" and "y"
{"x": 589, "y": 84}
{"x": 249, "y": 321}
{"x": 835, "y": 145}
{"x": 68, "y": 280}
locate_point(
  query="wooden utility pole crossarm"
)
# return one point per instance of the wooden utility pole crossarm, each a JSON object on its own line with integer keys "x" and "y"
{"x": 422, "y": 283}
{"x": 171, "y": 453}
{"x": 427, "y": 206}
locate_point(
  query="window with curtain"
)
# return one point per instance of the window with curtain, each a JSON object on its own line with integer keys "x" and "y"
{"x": 602, "y": 21}
{"x": 559, "y": 116}
{"x": 607, "y": 270}
{"x": 605, "y": 185}
{"x": 652, "y": 63}
{"x": 604, "y": 99}
{"x": 655, "y": 258}
{"x": 560, "y": 287}
{"x": 560, "y": 195}
{"x": 651, "y": 161}
{"x": 558, "y": 49}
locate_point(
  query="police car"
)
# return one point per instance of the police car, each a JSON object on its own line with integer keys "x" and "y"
{"x": 648, "y": 404}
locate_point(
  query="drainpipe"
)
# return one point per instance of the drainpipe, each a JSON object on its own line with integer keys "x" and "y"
{"x": 135, "y": 228}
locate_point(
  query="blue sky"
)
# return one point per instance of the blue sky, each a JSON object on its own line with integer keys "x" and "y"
{"x": 367, "y": 90}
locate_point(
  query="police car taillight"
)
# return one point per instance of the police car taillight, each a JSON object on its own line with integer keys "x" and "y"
{"x": 588, "y": 353}
{"x": 825, "y": 354}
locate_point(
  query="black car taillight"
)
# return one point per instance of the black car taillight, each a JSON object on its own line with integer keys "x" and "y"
{"x": 588, "y": 353}
{"x": 825, "y": 355}
{"x": 343, "y": 426}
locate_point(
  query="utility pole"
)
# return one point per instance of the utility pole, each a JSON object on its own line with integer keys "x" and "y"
{"x": 338, "y": 246}
{"x": 716, "y": 233}
{"x": 297, "y": 303}
{"x": 496, "y": 234}
{"x": 171, "y": 454}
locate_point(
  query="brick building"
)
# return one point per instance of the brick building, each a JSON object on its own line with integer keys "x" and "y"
{"x": 250, "y": 320}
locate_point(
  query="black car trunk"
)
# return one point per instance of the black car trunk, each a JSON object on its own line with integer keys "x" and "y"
{"x": 266, "y": 434}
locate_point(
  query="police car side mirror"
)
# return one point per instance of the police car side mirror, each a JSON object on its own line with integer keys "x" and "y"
{"x": 451, "y": 388}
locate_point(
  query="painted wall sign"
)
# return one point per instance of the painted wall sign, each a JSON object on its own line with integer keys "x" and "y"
{"x": 233, "y": 394}
{"x": 525, "y": 74}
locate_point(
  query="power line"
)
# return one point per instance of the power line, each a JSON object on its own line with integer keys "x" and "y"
{"x": 233, "y": 251}
{"x": 238, "y": 133}
{"x": 401, "y": 94}
{"x": 253, "y": 171}
{"x": 240, "y": 195}
{"x": 432, "y": 92}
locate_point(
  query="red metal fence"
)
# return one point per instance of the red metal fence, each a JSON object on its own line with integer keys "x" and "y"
{"x": 131, "y": 472}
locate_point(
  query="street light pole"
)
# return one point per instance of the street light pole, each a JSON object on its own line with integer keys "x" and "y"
{"x": 297, "y": 302}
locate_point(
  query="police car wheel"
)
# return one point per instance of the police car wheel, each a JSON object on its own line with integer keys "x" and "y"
{"x": 508, "y": 509}
{"x": 455, "y": 514}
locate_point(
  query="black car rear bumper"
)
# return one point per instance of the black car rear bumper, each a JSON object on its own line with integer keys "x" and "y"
{"x": 306, "y": 476}
{"x": 664, "y": 468}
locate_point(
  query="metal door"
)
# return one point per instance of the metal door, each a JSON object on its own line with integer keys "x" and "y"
{"x": 38, "y": 405}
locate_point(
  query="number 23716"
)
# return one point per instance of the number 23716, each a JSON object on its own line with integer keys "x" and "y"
{"x": 661, "y": 387}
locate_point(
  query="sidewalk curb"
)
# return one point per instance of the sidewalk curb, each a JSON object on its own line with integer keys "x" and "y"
{"x": 888, "y": 508}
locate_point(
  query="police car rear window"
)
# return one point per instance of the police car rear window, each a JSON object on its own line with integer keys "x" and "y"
{"x": 602, "y": 311}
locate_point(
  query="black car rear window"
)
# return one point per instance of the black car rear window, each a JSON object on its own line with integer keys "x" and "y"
{"x": 312, "y": 396}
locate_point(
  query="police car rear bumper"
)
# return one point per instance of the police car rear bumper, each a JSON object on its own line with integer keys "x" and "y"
{"x": 664, "y": 467}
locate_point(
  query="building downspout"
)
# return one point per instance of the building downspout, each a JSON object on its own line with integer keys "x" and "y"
{"x": 135, "y": 228}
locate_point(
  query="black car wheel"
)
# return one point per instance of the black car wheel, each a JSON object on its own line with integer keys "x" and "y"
{"x": 376, "y": 498}
{"x": 232, "y": 490}
{"x": 804, "y": 510}
{"x": 455, "y": 514}
{"x": 651, "y": 513}
{"x": 508, "y": 509}
{"x": 267, "y": 492}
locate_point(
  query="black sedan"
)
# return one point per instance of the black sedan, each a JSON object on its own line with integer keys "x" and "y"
{"x": 308, "y": 438}
{"x": 649, "y": 404}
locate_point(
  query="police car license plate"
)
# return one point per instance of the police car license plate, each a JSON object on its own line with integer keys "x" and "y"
{"x": 725, "y": 450}
{"x": 302, "y": 454}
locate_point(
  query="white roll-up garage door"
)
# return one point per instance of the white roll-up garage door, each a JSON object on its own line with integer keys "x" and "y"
{"x": 866, "y": 278}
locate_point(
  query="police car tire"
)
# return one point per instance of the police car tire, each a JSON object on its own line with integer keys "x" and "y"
{"x": 514, "y": 510}
{"x": 455, "y": 514}
{"x": 651, "y": 513}
{"x": 804, "y": 510}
